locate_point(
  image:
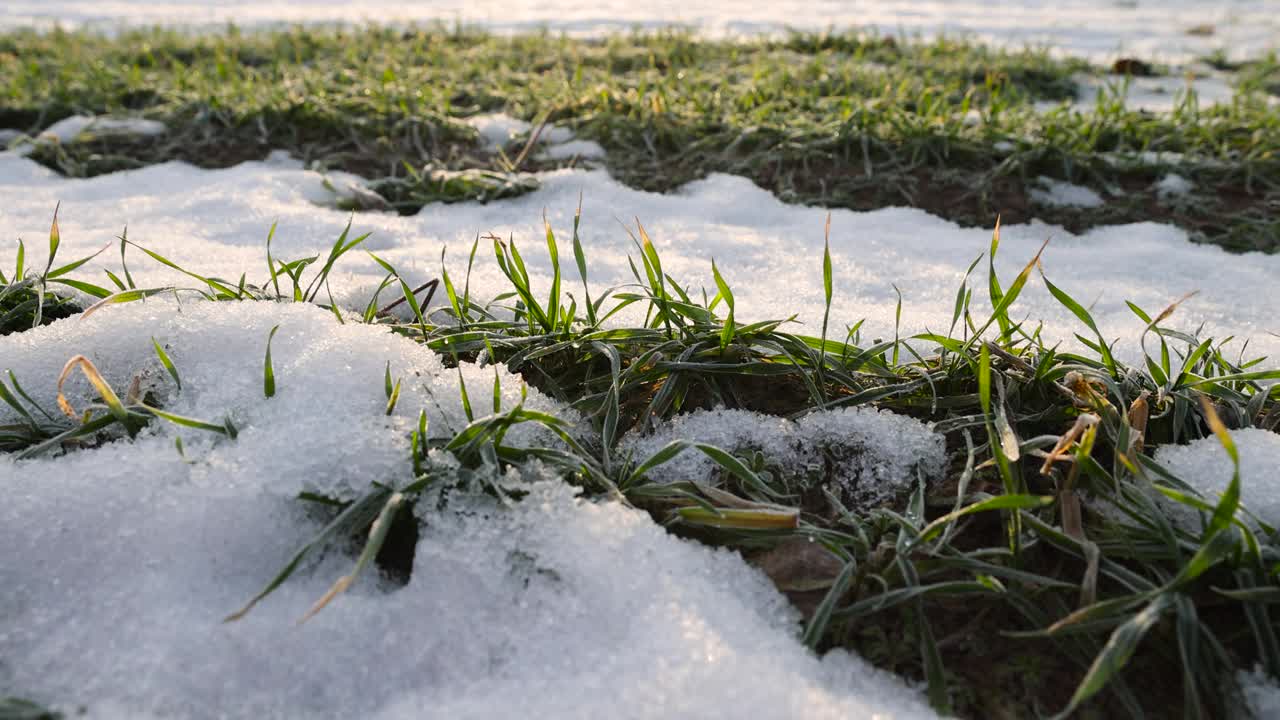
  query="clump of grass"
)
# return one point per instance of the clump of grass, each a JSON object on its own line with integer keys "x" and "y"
{"x": 1042, "y": 571}
{"x": 26, "y": 298}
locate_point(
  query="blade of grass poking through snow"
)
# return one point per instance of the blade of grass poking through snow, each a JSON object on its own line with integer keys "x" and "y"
{"x": 114, "y": 406}
{"x": 581, "y": 258}
{"x": 408, "y": 294}
{"x": 393, "y": 392}
{"x": 1079, "y": 311}
{"x": 993, "y": 281}
{"x": 167, "y": 363}
{"x": 55, "y": 239}
{"x": 340, "y": 248}
{"x": 271, "y": 264}
{"x": 123, "y": 296}
{"x": 553, "y": 297}
{"x": 268, "y": 372}
{"x": 189, "y": 422}
{"x": 726, "y": 332}
{"x": 19, "y": 265}
{"x": 377, "y": 537}
{"x": 355, "y": 516}
{"x": 827, "y": 295}
{"x": 451, "y": 292}
{"x": 124, "y": 266}
{"x": 220, "y": 288}
{"x": 653, "y": 269}
{"x": 1001, "y": 311}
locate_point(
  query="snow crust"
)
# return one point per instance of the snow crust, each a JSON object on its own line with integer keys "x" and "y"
{"x": 68, "y": 129}
{"x": 876, "y": 454}
{"x": 1204, "y": 465}
{"x": 120, "y": 561}
{"x": 1173, "y": 186}
{"x": 498, "y": 129}
{"x": 215, "y": 222}
{"x": 1058, "y": 193}
{"x": 1261, "y": 693}
{"x": 1100, "y": 29}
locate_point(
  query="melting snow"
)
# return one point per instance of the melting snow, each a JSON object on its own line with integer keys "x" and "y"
{"x": 119, "y": 561}
{"x": 498, "y": 129}
{"x": 1204, "y": 465}
{"x": 68, "y": 129}
{"x": 1064, "y": 194}
{"x": 1173, "y": 186}
{"x": 876, "y": 454}
{"x": 1261, "y": 693}
{"x": 1101, "y": 29}
{"x": 215, "y": 222}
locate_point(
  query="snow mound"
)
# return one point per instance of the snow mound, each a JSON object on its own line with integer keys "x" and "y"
{"x": 498, "y": 129}
{"x": 121, "y": 560}
{"x": 1172, "y": 187}
{"x": 873, "y": 454}
{"x": 1261, "y": 693}
{"x": 1057, "y": 193}
{"x": 70, "y": 129}
{"x": 1205, "y": 466}
{"x": 325, "y": 429}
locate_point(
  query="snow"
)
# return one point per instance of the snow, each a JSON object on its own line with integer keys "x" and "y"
{"x": 1155, "y": 30}
{"x": 215, "y": 222}
{"x": 550, "y": 607}
{"x": 1159, "y": 94}
{"x": 69, "y": 129}
{"x": 498, "y": 129}
{"x": 1058, "y": 193}
{"x": 877, "y": 454}
{"x": 1205, "y": 466}
{"x": 583, "y": 149}
{"x": 1173, "y": 186}
{"x": 1261, "y": 693}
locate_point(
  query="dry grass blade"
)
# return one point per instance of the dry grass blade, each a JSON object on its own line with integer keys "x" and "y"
{"x": 99, "y": 383}
{"x": 1082, "y": 422}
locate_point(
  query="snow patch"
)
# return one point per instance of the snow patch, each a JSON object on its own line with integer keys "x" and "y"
{"x": 71, "y": 129}
{"x": 1205, "y": 466}
{"x": 497, "y": 129}
{"x": 1261, "y": 693}
{"x": 583, "y": 149}
{"x": 215, "y": 222}
{"x": 875, "y": 453}
{"x": 1057, "y": 193}
{"x": 1172, "y": 187}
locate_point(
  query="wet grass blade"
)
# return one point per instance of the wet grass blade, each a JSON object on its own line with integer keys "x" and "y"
{"x": 355, "y": 516}
{"x": 268, "y": 371}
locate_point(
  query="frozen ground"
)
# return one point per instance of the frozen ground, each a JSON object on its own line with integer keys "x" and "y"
{"x": 215, "y": 222}
{"x": 1100, "y": 29}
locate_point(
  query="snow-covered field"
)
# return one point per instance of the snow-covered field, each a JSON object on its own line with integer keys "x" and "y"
{"x": 216, "y": 221}
{"x": 118, "y": 563}
{"x": 141, "y": 552}
{"x": 1155, "y": 29}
